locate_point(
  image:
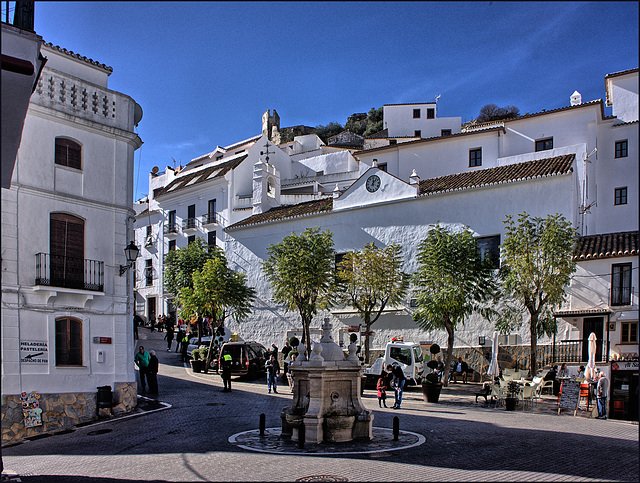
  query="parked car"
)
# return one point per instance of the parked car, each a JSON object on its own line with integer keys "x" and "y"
{"x": 247, "y": 358}
{"x": 193, "y": 343}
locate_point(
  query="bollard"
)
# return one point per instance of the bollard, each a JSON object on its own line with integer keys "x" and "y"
{"x": 301, "y": 436}
{"x": 396, "y": 428}
{"x": 262, "y": 424}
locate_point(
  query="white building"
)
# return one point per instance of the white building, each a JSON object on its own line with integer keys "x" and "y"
{"x": 223, "y": 187}
{"x": 66, "y": 219}
{"x": 542, "y": 163}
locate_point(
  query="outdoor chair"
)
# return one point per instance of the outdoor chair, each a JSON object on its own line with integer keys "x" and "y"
{"x": 546, "y": 384}
{"x": 527, "y": 394}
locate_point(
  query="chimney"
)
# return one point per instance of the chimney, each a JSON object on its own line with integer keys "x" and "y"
{"x": 414, "y": 179}
{"x": 576, "y": 98}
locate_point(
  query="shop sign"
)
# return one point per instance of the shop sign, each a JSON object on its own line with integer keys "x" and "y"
{"x": 624, "y": 366}
{"x": 34, "y": 352}
{"x": 353, "y": 328}
{"x": 102, "y": 340}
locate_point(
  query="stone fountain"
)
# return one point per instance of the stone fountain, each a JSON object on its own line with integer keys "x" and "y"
{"x": 326, "y": 395}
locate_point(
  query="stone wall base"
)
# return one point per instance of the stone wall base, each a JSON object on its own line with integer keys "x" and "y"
{"x": 63, "y": 410}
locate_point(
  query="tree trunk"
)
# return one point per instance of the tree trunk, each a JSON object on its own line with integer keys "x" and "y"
{"x": 367, "y": 325}
{"x": 447, "y": 364}
{"x": 534, "y": 344}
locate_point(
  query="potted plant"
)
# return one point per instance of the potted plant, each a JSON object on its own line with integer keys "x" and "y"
{"x": 204, "y": 353}
{"x": 513, "y": 389}
{"x": 196, "y": 363}
{"x": 431, "y": 387}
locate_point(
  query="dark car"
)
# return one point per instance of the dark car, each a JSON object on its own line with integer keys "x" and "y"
{"x": 247, "y": 358}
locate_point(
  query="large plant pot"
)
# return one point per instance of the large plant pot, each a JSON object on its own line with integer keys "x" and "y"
{"x": 431, "y": 392}
{"x": 196, "y": 365}
{"x": 510, "y": 403}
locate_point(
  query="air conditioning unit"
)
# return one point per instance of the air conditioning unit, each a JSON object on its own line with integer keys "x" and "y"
{"x": 148, "y": 241}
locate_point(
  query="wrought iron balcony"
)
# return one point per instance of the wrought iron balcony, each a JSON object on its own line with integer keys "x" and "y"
{"x": 189, "y": 224}
{"x": 69, "y": 272}
{"x": 171, "y": 228}
{"x": 209, "y": 219}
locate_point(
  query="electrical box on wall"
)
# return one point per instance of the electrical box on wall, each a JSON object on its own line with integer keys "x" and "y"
{"x": 100, "y": 356}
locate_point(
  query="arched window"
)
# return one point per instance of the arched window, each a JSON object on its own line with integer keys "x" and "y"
{"x": 68, "y": 153}
{"x": 68, "y": 342}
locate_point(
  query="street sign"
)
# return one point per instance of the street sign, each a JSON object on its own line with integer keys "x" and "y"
{"x": 34, "y": 352}
{"x": 102, "y": 340}
{"x": 353, "y": 328}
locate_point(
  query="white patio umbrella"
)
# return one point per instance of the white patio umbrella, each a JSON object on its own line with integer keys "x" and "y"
{"x": 494, "y": 369}
{"x": 590, "y": 370}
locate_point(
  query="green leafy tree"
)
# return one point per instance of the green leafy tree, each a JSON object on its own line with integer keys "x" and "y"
{"x": 179, "y": 266}
{"x": 537, "y": 265}
{"x": 218, "y": 293}
{"x": 331, "y": 129}
{"x": 452, "y": 281}
{"x": 374, "y": 121}
{"x": 370, "y": 280}
{"x": 300, "y": 272}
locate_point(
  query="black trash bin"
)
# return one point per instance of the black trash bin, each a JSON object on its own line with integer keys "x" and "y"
{"x": 105, "y": 398}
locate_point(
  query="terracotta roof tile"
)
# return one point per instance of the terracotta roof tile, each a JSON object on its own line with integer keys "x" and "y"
{"x": 287, "y": 211}
{"x": 539, "y": 168}
{"x": 608, "y": 245}
{"x": 70, "y": 53}
{"x": 200, "y": 176}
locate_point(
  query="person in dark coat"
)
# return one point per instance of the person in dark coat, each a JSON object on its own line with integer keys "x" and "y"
{"x": 183, "y": 348}
{"x": 397, "y": 383}
{"x": 273, "y": 369}
{"x": 169, "y": 337}
{"x": 152, "y": 373}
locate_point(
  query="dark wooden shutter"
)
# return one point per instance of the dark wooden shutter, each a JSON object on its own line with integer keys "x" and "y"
{"x": 66, "y": 248}
{"x": 68, "y": 342}
{"x": 68, "y": 153}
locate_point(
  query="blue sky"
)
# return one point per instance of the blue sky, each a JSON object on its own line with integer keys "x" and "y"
{"x": 204, "y": 72}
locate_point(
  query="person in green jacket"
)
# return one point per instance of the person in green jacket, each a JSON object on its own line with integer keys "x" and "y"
{"x": 141, "y": 360}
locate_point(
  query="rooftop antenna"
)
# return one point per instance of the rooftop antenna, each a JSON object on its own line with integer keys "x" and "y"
{"x": 437, "y": 97}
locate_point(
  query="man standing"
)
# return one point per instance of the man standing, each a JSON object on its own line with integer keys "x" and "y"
{"x": 152, "y": 373}
{"x": 169, "y": 337}
{"x": 273, "y": 369}
{"x": 602, "y": 390}
{"x": 141, "y": 360}
{"x": 226, "y": 372}
{"x": 397, "y": 383}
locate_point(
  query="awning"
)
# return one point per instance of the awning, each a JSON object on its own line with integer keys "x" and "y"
{"x": 582, "y": 312}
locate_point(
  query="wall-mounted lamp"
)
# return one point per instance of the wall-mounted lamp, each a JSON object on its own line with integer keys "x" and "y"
{"x": 482, "y": 340}
{"x": 131, "y": 253}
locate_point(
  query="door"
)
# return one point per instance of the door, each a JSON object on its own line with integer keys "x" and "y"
{"x": 595, "y": 325}
{"x": 66, "y": 250}
{"x": 151, "y": 308}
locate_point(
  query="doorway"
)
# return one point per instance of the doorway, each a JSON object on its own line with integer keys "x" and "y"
{"x": 595, "y": 325}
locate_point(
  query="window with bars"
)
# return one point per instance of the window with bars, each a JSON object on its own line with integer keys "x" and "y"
{"x": 68, "y": 342}
{"x": 489, "y": 247}
{"x": 417, "y": 133}
{"x": 621, "y": 284}
{"x": 431, "y": 113}
{"x": 416, "y": 113}
{"x": 68, "y": 153}
{"x": 148, "y": 272}
{"x": 211, "y": 239}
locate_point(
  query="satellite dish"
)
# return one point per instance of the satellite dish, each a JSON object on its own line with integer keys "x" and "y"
{"x": 155, "y": 170}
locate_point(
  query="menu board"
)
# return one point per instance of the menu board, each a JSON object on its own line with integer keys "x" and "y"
{"x": 570, "y": 395}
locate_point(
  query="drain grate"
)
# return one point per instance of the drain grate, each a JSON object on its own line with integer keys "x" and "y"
{"x": 321, "y": 478}
{"x": 99, "y": 431}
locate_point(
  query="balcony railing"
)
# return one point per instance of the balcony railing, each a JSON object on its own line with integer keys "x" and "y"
{"x": 69, "y": 272}
{"x": 621, "y": 296}
{"x": 188, "y": 223}
{"x": 208, "y": 219}
{"x": 170, "y": 228}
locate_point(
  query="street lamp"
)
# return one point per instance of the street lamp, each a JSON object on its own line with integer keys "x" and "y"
{"x": 131, "y": 253}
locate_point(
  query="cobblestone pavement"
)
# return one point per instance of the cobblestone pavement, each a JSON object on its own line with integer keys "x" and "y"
{"x": 188, "y": 440}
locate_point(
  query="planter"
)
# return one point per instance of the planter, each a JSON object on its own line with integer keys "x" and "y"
{"x": 196, "y": 365}
{"x": 431, "y": 392}
{"x": 510, "y": 403}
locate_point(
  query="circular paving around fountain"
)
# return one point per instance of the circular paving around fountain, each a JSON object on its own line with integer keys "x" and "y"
{"x": 272, "y": 442}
